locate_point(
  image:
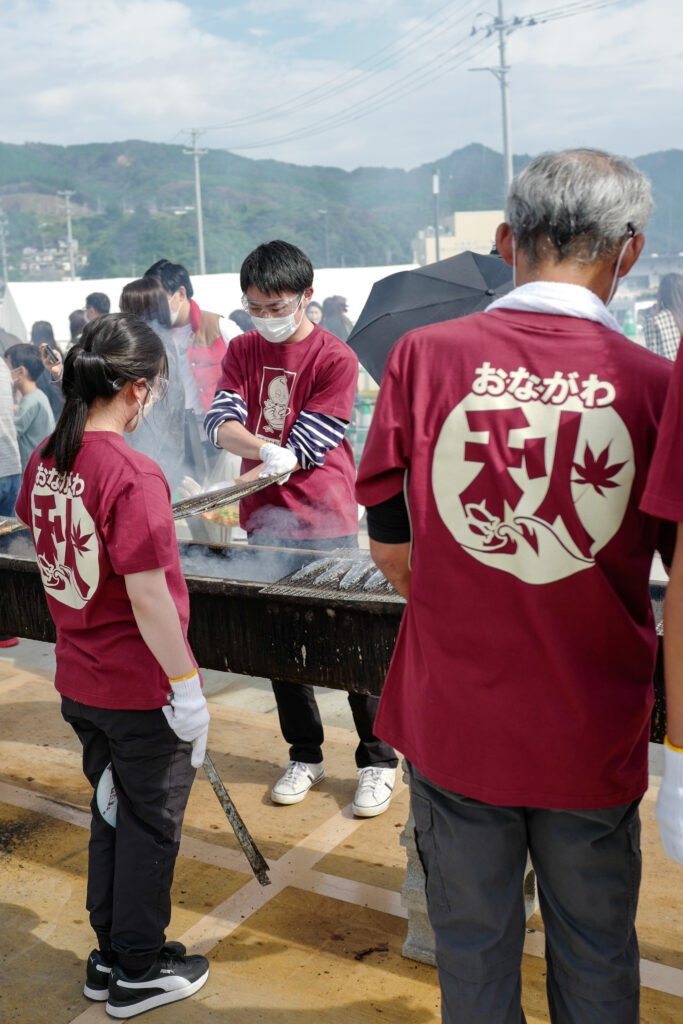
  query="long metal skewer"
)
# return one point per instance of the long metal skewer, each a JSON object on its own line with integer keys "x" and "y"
{"x": 210, "y": 500}
{"x": 256, "y": 860}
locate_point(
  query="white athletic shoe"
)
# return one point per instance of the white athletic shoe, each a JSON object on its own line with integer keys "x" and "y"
{"x": 373, "y": 794}
{"x": 296, "y": 782}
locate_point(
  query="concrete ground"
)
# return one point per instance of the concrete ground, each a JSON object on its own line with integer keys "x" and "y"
{"x": 322, "y": 943}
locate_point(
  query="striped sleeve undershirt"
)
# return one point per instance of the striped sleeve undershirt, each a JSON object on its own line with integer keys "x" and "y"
{"x": 226, "y": 405}
{"x": 312, "y": 436}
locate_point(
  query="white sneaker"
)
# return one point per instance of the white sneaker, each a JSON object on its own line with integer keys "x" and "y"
{"x": 296, "y": 782}
{"x": 373, "y": 794}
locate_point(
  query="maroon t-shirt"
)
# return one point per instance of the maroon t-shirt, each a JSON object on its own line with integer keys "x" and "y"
{"x": 319, "y": 374}
{"x": 664, "y": 489}
{"x": 108, "y": 518}
{"x": 522, "y": 674}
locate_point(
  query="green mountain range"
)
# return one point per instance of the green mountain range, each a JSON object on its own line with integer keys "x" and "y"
{"x": 133, "y": 203}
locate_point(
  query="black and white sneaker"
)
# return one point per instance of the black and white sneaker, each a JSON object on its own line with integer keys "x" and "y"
{"x": 99, "y": 967}
{"x": 97, "y": 973}
{"x": 171, "y": 978}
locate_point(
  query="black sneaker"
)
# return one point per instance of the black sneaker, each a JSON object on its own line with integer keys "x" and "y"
{"x": 99, "y": 967}
{"x": 171, "y": 978}
{"x": 97, "y": 973}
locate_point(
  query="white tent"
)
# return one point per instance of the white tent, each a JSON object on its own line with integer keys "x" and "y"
{"x": 26, "y": 302}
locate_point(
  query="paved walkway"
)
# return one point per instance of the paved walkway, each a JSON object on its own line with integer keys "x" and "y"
{"x": 320, "y": 945}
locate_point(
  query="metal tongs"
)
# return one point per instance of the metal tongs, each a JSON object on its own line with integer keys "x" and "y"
{"x": 209, "y": 500}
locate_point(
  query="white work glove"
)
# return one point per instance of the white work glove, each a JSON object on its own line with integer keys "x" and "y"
{"x": 188, "y": 715}
{"x": 189, "y": 488}
{"x": 276, "y": 460}
{"x": 669, "y": 809}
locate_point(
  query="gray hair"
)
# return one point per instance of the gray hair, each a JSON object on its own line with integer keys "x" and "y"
{"x": 580, "y": 202}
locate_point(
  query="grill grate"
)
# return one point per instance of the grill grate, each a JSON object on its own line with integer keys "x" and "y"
{"x": 336, "y": 577}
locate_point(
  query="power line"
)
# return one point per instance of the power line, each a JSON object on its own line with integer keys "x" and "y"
{"x": 312, "y": 97}
{"x": 443, "y": 64}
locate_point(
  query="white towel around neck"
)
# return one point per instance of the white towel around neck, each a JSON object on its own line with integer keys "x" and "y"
{"x": 558, "y": 298}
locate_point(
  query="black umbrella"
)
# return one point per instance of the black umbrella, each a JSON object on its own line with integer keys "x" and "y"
{"x": 440, "y": 291}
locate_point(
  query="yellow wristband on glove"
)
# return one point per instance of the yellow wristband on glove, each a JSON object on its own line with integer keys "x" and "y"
{"x": 669, "y": 744}
{"x": 180, "y": 678}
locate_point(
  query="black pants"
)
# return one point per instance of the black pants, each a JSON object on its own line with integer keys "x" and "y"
{"x": 302, "y": 727}
{"x": 130, "y": 867}
{"x": 297, "y": 707}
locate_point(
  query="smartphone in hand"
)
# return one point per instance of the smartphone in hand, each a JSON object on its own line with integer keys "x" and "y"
{"x": 50, "y": 355}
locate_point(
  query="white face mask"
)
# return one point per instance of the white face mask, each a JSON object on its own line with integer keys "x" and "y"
{"x": 143, "y": 411}
{"x": 277, "y": 328}
{"x": 174, "y": 313}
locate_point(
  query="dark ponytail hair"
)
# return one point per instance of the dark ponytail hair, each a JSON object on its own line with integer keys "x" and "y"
{"x": 113, "y": 350}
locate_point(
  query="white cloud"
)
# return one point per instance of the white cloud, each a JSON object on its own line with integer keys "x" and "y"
{"x": 71, "y": 71}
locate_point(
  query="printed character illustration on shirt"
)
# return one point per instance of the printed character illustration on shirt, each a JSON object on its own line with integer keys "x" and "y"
{"x": 66, "y": 543}
{"x": 531, "y": 474}
{"x": 276, "y": 390}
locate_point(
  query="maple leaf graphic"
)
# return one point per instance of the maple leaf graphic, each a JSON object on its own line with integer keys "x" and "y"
{"x": 595, "y": 471}
{"x": 80, "y": 541}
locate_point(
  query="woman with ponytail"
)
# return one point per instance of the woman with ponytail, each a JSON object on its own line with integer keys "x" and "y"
{"x": 103, "y": 530}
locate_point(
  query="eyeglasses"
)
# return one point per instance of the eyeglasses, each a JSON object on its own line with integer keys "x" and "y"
{"x": 279, "y": 307}
{"x": 160, "y": 388}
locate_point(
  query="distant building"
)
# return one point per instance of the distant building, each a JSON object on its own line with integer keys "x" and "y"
{"x": 650, "y": 269}
{"x": 51, "y": 263}
{"x": 467, "y": 229}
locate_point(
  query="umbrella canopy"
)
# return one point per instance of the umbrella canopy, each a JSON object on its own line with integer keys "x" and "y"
{"x": 451, "y": 288}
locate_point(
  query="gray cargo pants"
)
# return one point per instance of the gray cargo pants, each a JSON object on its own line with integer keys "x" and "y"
{"x": 587, "y": 865}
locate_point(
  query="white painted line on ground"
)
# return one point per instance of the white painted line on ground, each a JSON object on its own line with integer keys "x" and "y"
{"x": 16, "y": 796}
{"x": 292, "y": 869}
{"x": 210, "y": 853}
{"x": 295, "y": 868}
{"x": 359, "y": 893}
{"x": 661, "y": 977}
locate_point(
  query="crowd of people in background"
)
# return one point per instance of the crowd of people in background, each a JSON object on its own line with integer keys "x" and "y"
{"x": 195, "y": 341}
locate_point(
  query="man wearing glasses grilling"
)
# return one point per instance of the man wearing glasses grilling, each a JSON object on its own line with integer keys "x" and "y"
{"x": 283, "y": 404}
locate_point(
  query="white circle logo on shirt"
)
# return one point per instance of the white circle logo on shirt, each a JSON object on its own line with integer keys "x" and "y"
{"x": 534, "y": 488}
{"x": 66, "y": 542}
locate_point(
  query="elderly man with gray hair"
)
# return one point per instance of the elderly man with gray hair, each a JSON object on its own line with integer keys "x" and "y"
{"x": 502, "y": 475}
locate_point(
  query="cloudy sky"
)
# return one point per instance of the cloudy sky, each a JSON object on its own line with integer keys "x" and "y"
{"x": 345, "y": 83}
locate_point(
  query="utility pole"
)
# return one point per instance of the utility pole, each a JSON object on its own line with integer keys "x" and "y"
{"x": 435, "y": 190}
{"x": 3, "y": 245}
{"x": 323, "y": 214}
{"x": 501, "y": 72}
{"x": 197, "y": 153}
{"x": 69, "y": 237}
